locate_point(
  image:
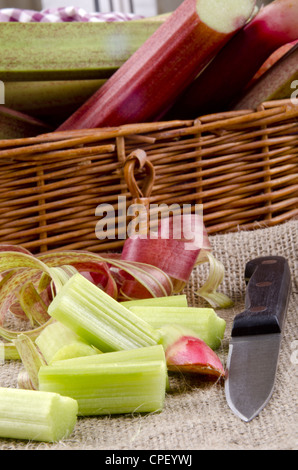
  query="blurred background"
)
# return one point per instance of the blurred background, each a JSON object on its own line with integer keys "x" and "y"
{"x": 139, "y": 7}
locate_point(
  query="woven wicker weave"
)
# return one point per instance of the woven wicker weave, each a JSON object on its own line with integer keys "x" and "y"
{"x": 242, "y": 166}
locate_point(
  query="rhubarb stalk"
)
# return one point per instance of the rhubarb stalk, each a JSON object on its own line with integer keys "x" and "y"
{"x": 57, "y": 342}
{"x": 273, "y": 59}
{"x": 203, "y": 321}
{"x": 186, "y": 352}
{"x": 35, "y": 415}
{"x": 149, "y": 82}
{"x": 98, "y": 319}
{"x": 109, "y": 388}
{"x": 275, "y": 84}
{"x": 221, "y": 82}
{"x": 170, "y": 301}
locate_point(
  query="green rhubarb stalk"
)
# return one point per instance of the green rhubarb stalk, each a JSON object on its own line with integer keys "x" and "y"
{"x": 35, "y": 415}
{"x": 139, "y": 355}
{"x": 170, "y": 301}
{"x": 98, "y": 318}
{"x": 204, "y": 321}
{"x": 57, "y": 342}
{"x": 69, "y": 51}
{"x": 112, "y": 388}
{"x": 150, "y": 353}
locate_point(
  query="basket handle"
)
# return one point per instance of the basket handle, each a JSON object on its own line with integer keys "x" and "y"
{"x": 138, "y": 160}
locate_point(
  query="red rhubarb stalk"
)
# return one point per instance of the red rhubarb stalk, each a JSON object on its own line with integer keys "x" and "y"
{"x": 237, "y": 63}
{"x": 276, "y": 84}
{"x": 150, "y": 81}
{"x": 273, "y": 59}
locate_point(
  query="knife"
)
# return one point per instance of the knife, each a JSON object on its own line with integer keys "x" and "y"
{"x": 256, "y": 336}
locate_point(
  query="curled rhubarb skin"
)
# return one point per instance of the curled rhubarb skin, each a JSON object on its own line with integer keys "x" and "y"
{"x": 148, "y": 83}
{"x": 219, "y": 85}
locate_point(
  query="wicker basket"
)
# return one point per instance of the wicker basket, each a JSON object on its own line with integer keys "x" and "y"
{"x": 242, "y": 166}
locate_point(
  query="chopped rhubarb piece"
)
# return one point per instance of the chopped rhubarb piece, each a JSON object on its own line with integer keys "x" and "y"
{"x": 186, "y": 352}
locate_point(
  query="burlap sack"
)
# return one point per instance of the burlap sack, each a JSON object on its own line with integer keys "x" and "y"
{"x": 196, "y": 415}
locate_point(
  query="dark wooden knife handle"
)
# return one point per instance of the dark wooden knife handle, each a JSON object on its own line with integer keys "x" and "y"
{"x": 267, "y": 295}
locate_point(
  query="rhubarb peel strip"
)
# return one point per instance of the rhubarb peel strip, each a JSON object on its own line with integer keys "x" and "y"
{"x": 18, "y": 268}
{"x": 209, "y": 289}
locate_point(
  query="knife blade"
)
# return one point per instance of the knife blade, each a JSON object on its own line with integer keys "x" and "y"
{"x": 256, "y": 336}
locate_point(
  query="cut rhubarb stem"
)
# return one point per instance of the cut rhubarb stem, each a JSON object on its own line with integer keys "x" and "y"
{"x": 237, "y": 63}
{"x": 203, "y": 321}
{"x": 111, "y": 388}
{"x": 186, "y": 352}
{"x": 150, "y": 81}
{"x": 98, "y": 318}
{"x": 170, "y": 301}
{"x": 35, "y": 415}
{"x": 57, "y": 342}
{"x": 150, "y": 353}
